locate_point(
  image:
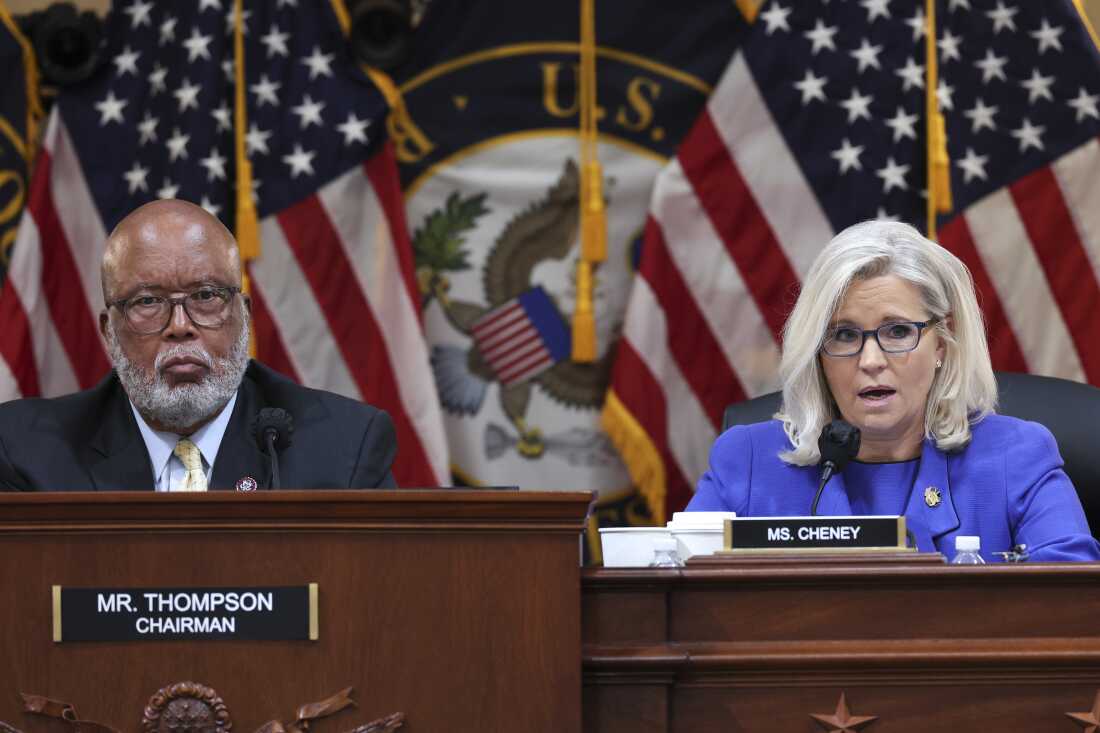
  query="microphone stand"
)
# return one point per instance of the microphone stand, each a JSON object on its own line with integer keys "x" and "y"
{"x": 825, "y": 476}
{"x": 272, "y": 429}
{"x": 838, "y": 443}
{"x": 270, "y": 436}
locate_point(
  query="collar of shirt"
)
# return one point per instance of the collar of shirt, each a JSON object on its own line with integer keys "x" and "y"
{"x": 160, "y": 444}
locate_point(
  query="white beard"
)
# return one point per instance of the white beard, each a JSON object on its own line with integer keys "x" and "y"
{"x": 187, "y": 404}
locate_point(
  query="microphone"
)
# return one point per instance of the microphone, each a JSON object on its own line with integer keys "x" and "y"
{"x": 838, "y": 443}
{"x": 272, "y": 428}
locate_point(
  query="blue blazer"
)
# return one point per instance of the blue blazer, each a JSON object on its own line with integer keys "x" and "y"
{"x": 1007, "y": 486}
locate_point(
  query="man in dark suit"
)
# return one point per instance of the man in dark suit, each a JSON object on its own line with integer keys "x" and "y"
{"x": 176, "y": 413}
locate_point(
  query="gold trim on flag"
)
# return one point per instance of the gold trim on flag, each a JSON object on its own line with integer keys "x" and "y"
{"x": 638, "y": 452}
{"x": 592, "y": 537}
{"x": 1088, "y": 23}
{"x": 749, "y": 8}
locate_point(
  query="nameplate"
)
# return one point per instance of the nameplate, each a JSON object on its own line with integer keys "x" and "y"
{"x": 270, "y": 613}
{"x": 815, "y": 533}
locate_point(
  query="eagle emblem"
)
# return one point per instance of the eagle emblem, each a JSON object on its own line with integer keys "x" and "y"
{"x": 518, "y": 338}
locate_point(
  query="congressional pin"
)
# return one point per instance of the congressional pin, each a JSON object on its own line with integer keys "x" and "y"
{"x": 932, "y": 496}
{"x": 247, "y": 484}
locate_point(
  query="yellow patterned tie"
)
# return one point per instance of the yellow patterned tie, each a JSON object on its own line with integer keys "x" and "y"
{"x": 188, "y": 452}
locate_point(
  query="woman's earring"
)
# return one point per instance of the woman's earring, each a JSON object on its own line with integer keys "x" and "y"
{"x": 938, "y": 363}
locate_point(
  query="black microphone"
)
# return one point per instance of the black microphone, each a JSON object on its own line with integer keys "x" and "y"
{"x": 838, "y": 443}
{"x": 272, "y": 428}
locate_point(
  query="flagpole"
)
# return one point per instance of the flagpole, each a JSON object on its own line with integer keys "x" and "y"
{"x": 593, "y": 217}
{"x": 247, "y": 225}
{"x": 938, "y": 163}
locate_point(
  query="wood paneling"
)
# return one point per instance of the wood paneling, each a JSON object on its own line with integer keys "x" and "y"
{"x": 758, "y": 644}
{"x": 460, "y": 609}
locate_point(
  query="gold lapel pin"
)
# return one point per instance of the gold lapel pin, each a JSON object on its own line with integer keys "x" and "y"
{"x": 932, "y": 496}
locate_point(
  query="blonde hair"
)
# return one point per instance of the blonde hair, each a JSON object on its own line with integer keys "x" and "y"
{"x": 963, "y": 390}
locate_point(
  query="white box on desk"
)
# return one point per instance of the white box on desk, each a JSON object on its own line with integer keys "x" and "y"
{"x": 698, "y": 533}
{"x": 629, "y": 547}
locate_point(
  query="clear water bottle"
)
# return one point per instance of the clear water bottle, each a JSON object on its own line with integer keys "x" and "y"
{"x": 666, "y": 553}
{"x": 966, "y": 550}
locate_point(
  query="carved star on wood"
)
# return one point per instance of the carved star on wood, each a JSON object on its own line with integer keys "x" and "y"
{"x": 842, "y": 721}
{"x": 1089, "y": 721}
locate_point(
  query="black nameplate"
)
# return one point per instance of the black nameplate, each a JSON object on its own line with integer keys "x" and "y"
{"x": 815, "y": 533}
{"x": 275, "y": 613}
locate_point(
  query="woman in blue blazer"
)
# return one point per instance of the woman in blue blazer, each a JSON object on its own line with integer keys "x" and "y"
{"x": 887, "y": 334}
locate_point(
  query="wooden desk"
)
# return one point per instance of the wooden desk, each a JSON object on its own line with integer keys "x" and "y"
{"x": 460, "y": 609}
{"x": 760, "y": 645}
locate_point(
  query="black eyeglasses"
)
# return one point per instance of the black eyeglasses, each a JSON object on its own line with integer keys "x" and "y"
{"x": 893, "y": 338}
{"x": 207, "y": 307}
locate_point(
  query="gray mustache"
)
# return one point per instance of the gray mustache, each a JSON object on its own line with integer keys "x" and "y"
{"x": 191, "y": 352}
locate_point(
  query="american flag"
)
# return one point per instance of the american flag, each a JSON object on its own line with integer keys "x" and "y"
{"x": 819, "y": 123}
{"x": 334, "y": 299}
{"x": 523, "y": 337}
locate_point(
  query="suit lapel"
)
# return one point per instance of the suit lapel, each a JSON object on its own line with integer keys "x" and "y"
{"x": 239, "y": 456}
{"x": 930, "y": 513}
{"x": 118, "y": 459}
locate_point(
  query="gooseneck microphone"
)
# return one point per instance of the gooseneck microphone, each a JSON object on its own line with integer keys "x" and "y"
{"x": 838, "y": 443}
{"x": 272, "y": 428}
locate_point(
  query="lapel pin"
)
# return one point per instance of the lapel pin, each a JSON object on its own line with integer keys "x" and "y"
{"x": 932, "y": 496}
{"x": 247, "y": 484}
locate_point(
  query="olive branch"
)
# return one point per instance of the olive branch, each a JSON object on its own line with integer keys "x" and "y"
{"x": 438, "y": 244}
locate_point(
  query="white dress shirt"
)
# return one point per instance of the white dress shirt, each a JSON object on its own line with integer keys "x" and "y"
{"x": 168, "y": 470}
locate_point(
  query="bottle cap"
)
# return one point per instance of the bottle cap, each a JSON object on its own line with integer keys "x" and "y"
{"x": 967, "y": 543}
{"x": 665, "y": 544}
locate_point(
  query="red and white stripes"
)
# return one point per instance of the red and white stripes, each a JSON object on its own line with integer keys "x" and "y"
{"x": 1034, "y": 249}
{"x": 510, "y": 344}
{"x": 335, "y": 309}
{"x": 51, "y": 301}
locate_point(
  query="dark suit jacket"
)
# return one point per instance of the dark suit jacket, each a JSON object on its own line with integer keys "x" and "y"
{"x": 90, "y": 441}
